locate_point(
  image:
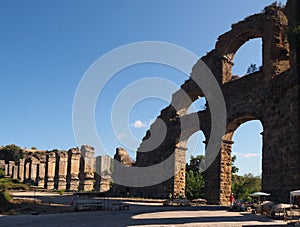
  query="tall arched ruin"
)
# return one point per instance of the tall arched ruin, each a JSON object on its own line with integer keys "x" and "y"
{"x": 270, "y": 95}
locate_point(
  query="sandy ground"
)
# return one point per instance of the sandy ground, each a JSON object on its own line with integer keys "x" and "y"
{"x": 149, "y": 213}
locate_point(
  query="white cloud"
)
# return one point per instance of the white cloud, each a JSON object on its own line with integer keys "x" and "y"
{"x": 247, "y": 155}
{"x": 139, "y": 124}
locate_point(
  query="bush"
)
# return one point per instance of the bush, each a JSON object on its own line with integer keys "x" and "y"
{"x": 4, "y": 201}
{"x": 11, "y": 153}
{"x": 2, "y": 173}
{"x": 12, "y": 184}
{"x": 194, "y": 178}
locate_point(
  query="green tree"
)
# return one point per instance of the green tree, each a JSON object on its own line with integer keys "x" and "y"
{"x": 234, "y": 168}
{"x": 252, "y": 68}
{"x": 11, "y": 153}
{"x": 243, "y": 186}
{"x": 194, "y": 178}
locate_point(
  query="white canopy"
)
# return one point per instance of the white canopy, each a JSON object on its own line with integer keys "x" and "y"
{"x": 295, "y": 193}
{"x": 259, "y": 194}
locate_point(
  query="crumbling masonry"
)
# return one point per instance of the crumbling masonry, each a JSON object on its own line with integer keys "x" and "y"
{"x": 270, "y": 95}
{"x": 61, "y": 170}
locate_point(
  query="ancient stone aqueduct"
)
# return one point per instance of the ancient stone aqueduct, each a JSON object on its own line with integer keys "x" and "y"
{"x": 270, "y": 95}
{"x": 73, "y": 170}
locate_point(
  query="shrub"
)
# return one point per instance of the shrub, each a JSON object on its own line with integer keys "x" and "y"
{"x": 2, "y": 173}
{"x": 4, "y": 201}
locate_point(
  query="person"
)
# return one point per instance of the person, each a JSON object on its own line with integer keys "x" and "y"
{"x": 231, "y": 199}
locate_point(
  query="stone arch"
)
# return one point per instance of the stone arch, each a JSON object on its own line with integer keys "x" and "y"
{"x": 270, "y": 26}
{"x": 255, "y": 96}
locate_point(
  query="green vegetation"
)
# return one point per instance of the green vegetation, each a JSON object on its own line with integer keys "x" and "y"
{"x": 243, "y": 186}
{"x": 252, "y": 68}
{"x": 4, "y": 201}
{"x": 7, "y": 184}
{"x": 11, "y": 153}
{"x": 12, "y": 184}
{"x": 2, "y": 173}
{"x": 234, "y": 169}
{"x": 194, "y": 178}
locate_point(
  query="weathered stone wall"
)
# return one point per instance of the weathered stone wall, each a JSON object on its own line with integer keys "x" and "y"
{"x": 73, "y": 169}
{"x": 2, "y": 164}
{"x": 270, "y": 95}
{"x": 87, "y": 168}
{"x": 103, "y": 173}
{"x": 61, "y": 170}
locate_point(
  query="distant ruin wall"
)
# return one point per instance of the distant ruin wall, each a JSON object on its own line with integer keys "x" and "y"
{"x": 61, "y": 170}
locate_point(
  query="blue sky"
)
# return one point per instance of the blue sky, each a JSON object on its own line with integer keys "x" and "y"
{"x": 47, "y": 46}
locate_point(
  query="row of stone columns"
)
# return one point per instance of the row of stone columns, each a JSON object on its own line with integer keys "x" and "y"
{"x": 62, "y": 170}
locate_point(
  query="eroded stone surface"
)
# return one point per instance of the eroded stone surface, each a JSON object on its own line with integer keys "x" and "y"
{"x": 270, "y": 95}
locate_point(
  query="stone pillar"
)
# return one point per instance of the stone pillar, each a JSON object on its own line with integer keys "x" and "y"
{"x": 27, "y": 170}
{"x": 88, "y": 168}
{"x": 34, "y": 170}
{"x": 212, "y": 181}
{"x": 2, "y": 164}
{"x": 15, "y": 172}
{"x": 218, "y": 176}
{"x": 73, "y": 169}
{"x": 179, "y": 173}
{"x": 51, "y": 161}
{"x": 21, "y": 170}
{"x": 10, "y": 168}
{"x": 6, "y": 169}
{"x": 225, "y": 172}
{"x": 103, "y": 173}
{"x": 42, "y": 172}
{"x": 62, "y": 170}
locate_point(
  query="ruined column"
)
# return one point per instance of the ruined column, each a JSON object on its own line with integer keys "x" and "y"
{"x": 15, "y": 172}
{"x": 180, "y": 165}
{"x": 225, "y": 172}
{"x": 27, "y": 170}
{"x": 103, "y": 173}
{"x": 218, "y": 176}
{"x": 21, "y": 170}
{"x": 10, "y": 168}
{"x": 34, "y": 170}
{"x": 88, "y": 168}
{"x": 51, "y": 161}
{"x": 6, "y": 169}
{"x": 62, "y": 170}
{"x": 42, "y": 172}
{"x": 2, "y": 164}
{"x": 73, "y": 169}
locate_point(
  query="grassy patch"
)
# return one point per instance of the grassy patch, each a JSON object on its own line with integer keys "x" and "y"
{"x": 7, "y": 184}
{"x": 12, "y": 184}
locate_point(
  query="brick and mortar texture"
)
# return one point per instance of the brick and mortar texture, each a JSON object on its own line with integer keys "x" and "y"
{"x": 270, "y": 95}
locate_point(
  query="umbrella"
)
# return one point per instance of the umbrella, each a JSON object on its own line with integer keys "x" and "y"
{"x": 259, "y": 194}
{"x": 295, "y": 193}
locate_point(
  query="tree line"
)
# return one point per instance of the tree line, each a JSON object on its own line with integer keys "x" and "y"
{"x": 242, "y": 186}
